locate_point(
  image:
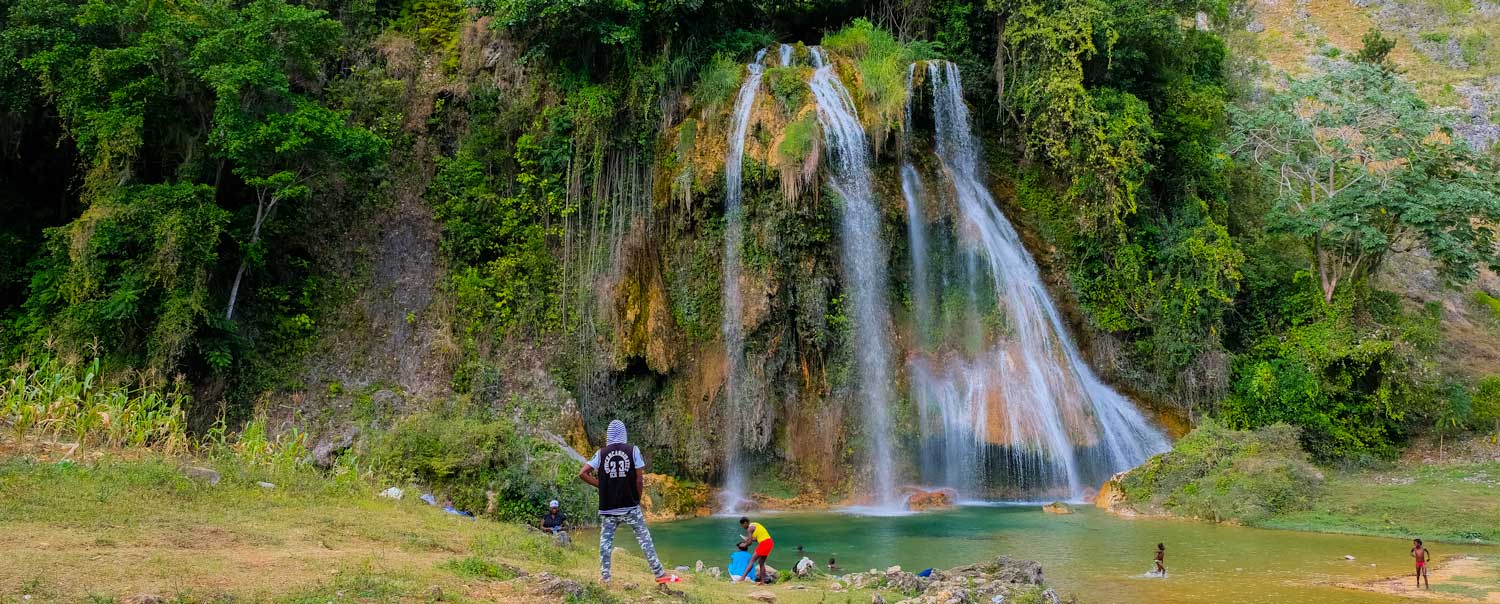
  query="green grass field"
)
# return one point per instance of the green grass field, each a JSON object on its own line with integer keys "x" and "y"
{"x": 112, "y": 528}
{"x": 1453, "y": 502}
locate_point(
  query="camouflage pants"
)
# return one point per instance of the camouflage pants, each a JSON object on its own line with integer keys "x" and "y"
{"x": 637, "y": 522}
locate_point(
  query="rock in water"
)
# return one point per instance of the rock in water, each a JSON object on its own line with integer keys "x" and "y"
{"x": 207, "y": 475}
{"x": 1057, "y": 507}
{"x": 922, "y": 501}
{"x": 762, "y": 596}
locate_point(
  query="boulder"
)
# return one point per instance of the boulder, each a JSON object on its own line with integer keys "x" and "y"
{"x": 201, "y": 474}
{"x": 922, "y": 501}
{"x": 1111, "y": 495}
{"x": 326, "y": 451}
{"x": 548, "y": 584}
{"x": 1057, "y": 507}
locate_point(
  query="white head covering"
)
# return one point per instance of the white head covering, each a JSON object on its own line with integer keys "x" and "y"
{"x": 615, "y": 434}
{"x": 552, "y": 504}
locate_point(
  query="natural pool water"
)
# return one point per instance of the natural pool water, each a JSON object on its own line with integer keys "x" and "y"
{"x": 1098, "y": 557}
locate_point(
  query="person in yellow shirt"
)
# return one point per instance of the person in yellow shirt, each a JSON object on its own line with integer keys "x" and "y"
{"x": 756, "y": 532}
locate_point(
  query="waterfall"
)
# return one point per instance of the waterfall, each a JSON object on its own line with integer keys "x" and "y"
{"x": 864, "y": 258}
{"x": 916, "y": 232}
{"x": 735, "y": 418}
{"x": 1018, "y": 404}
{"x": 786, "y": 54}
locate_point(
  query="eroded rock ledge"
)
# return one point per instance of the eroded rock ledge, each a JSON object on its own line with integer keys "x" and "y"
{"x": 1004, "y": 579}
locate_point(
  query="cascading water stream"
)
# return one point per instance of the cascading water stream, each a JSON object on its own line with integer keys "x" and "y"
{"x": 864, "y": 258}
{"x": 735, "y": 420}
{"x": 785, "y": 54}
{"x": 1024, "y": 399}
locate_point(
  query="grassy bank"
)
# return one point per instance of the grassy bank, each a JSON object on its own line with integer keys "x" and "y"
{"x": 111, "y": 527}
{"x": 1448, "y": 502}
{"x": 1263, "y": 478}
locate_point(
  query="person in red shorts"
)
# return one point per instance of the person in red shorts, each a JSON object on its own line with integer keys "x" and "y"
{"x": 1422, "y": 555}
{"x": 756, "y": 532}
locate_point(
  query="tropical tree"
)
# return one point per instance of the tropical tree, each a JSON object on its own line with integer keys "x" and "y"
{"x": 279, "y": 140}
{"x": 1364, "y": 169}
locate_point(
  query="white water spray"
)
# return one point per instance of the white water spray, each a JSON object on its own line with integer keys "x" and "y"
{"x": 864, "y": 260}
{"x": 735, "y": 418}
{"x": 1024, "y": 400}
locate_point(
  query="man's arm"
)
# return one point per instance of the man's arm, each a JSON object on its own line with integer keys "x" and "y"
{"x": 587, "y": 475}
{"x": 640, "y": 471}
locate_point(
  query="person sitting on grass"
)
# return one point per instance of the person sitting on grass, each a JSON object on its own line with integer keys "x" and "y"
{"x": 739, "y": 561}
{"x": 553, "y": 523}
{"x": 755, "y": 531}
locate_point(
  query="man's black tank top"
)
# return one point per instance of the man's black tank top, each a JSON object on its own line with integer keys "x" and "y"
{"x": 617, "y": 477}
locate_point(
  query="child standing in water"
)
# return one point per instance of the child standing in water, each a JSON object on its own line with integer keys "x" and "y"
{"x": 1422, "y": 556}
{"x": 1161, "y": 557}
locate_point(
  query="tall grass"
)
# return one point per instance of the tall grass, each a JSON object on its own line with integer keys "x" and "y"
{"x": 49, "y": 399}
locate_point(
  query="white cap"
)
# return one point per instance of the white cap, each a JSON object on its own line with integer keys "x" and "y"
{"x": 552, "y": 504}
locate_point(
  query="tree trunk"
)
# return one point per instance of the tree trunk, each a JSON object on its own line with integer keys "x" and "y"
{"x": 262, "y": 211}
{"x": 1000, "y": 62}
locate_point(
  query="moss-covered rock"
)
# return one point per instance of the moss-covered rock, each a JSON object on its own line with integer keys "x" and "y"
{"x": 1224, "y": 475}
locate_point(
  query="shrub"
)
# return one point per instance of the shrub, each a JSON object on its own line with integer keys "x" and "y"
{"x": 464, "y": 458}
{"x": 799, "y": 139}
{"x": 717, "y": 84}
{"x": 789, "y": 87}
{"x": 1227, "y": 475}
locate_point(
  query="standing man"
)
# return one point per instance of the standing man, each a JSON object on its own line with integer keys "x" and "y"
{"x": 756, "y": 532}
{"x": 620, "y": 480}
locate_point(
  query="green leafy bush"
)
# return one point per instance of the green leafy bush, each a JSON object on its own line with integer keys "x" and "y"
{"x": 1227, "y": 475}
{"x": 789, "y": 87}
{"x": 718, "y": 82}
{"x": 462, "y": 457}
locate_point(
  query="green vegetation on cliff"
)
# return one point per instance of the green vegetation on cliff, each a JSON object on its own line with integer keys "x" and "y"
{"x": 289, "y": 206}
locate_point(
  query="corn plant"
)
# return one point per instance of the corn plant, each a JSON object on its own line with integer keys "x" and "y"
{"x": 52, "y": 400}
